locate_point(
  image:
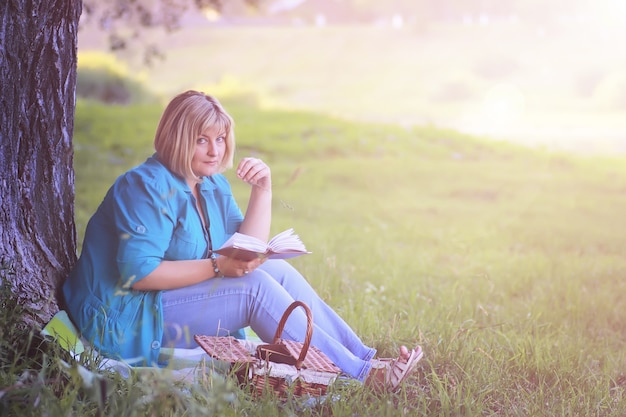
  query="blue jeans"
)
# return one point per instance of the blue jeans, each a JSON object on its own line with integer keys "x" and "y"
{"x": 221, "y": 305}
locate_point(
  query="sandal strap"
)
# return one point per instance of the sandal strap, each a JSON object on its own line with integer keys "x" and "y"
{"x": 399, "y": 369}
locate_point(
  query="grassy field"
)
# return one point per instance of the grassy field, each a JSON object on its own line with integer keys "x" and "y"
{"x": 505, "y": 263}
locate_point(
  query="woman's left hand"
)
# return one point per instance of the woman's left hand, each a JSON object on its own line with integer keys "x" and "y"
{"x": 232, "y": 267}
{"x": 255, "y": 172}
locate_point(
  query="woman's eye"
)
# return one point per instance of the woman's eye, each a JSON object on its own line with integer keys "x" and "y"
{"x": 220, "y": 139}
{"x": 202, "y": 141}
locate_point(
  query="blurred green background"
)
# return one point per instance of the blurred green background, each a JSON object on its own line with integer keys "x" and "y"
{"x": 538, "y": 73}
{"x": 461, "y": 184}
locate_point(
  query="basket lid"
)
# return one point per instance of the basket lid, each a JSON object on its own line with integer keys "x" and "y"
{"x": 225, "y": 348}
{"x": 315, "y": 359}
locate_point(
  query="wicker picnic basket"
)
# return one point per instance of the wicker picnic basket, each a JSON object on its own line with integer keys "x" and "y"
{"x": 284, "y": 367}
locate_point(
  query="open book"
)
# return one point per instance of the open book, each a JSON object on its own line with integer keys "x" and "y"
{"x": 282, "y": 246}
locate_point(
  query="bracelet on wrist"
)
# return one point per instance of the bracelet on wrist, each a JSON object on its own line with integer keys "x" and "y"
{"x": 216, "y": 269}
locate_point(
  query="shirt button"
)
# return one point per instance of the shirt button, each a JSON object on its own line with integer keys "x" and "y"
{"x": 155, "y": 344}
{"x": 140, "y": 229}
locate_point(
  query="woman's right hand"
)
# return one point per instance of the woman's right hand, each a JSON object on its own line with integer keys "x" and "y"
{"x": 256, "y": 173}
{"x": 231, "y": 267}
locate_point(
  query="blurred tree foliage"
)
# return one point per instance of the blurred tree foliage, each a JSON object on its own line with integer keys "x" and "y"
{"x": 126, "y": 20}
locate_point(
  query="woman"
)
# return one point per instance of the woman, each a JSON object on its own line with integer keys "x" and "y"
{"x": 147, "y": 267}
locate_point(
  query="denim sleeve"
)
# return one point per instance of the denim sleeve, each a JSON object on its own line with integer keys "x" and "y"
{"x": 228, "y": 206}
{"x": 234, "y": 216}
{"x": 144, "y": 219}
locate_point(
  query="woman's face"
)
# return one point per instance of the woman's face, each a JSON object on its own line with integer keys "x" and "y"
{"x": 209, "y": 152}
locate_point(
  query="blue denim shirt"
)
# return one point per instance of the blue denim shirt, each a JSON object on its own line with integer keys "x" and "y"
{"x": 147, "y": 216}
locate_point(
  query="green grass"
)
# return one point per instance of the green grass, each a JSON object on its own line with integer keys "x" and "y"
{"x": 506, "y": 264}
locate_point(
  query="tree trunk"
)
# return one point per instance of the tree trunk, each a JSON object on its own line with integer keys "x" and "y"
{"x": 38, "y": 57}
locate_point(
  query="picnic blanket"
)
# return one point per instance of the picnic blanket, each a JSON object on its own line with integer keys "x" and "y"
{"x": 183, "y": 364}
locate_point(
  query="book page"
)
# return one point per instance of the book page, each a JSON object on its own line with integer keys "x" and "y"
{"x": 241, "y": 241}
{"x": 286, "y": 241}
{"x": 284, "y": 245}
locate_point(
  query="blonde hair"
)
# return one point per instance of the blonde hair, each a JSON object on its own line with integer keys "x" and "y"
{"x": 182, "y": 123}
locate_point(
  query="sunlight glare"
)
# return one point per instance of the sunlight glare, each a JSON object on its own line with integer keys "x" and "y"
{"x": 501, "y": 109}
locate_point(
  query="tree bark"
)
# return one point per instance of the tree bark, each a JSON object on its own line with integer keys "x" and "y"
{"x": 38, "y": 57}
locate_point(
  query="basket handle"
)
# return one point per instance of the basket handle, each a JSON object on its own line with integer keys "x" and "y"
{"x": 309, "y": 329}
